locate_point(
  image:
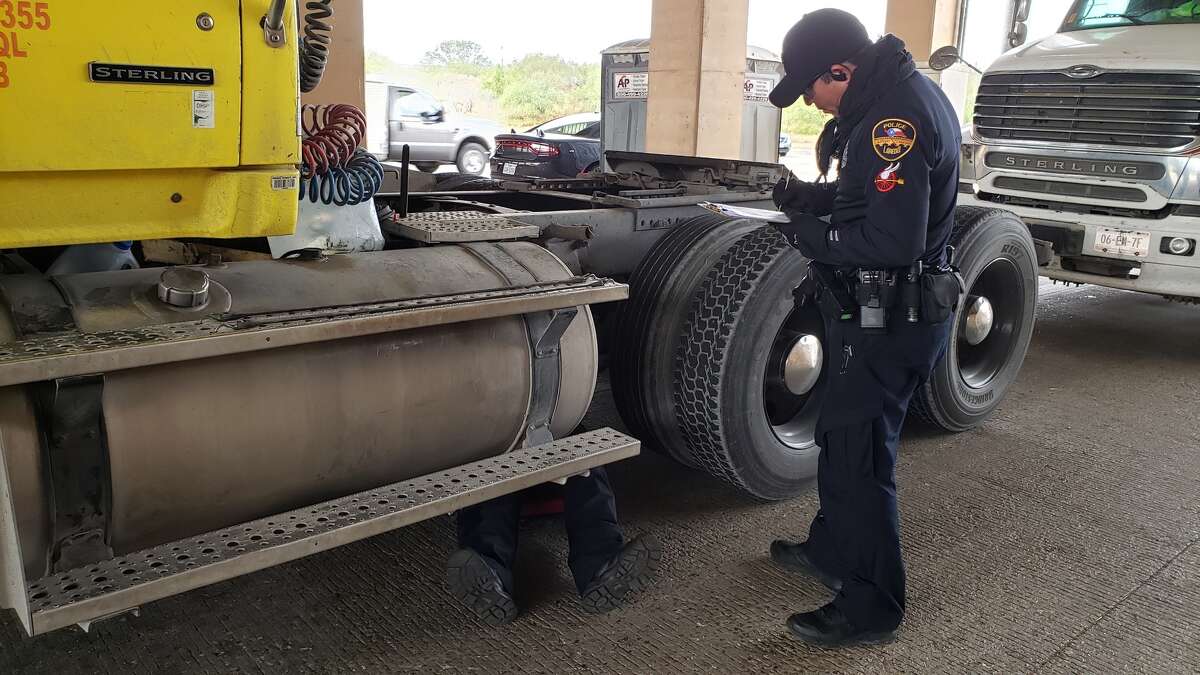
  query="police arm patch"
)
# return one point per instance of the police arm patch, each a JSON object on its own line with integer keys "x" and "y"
{"x": 893, "y": 138}
{"x": 887, "y": 179}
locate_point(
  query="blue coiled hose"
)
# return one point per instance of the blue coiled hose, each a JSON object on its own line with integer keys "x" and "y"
{"x": 354, "y": 183}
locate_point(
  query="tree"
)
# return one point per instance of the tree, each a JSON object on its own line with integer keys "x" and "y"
{"x": 380, "y": 65}
{"x": 802, "y": 120}
{"x": 456, "y": 52}
{"x": 541, "y": 87}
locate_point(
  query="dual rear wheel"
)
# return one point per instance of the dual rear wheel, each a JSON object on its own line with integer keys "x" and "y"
{"x": 714, "y": 365}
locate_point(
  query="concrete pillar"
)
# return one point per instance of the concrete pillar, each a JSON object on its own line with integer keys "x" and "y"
{"x": 697, "y": 70}
{"x": 345, "y": 73}
{"x": 924, "y": 25}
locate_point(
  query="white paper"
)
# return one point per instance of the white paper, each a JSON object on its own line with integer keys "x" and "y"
{"x": 331, "y": 229}
{"x": 745, "y": 212}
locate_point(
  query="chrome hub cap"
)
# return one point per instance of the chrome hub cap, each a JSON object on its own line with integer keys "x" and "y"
{"x": 979, "y": 320}
{"x": 802, "y": 366}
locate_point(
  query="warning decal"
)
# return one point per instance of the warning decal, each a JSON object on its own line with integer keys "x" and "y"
{"x": 203, "y": 113}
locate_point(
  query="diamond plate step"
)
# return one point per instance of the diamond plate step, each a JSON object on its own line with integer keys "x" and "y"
{"x": 125, "y": 583}
{"x": 460, "y": 226}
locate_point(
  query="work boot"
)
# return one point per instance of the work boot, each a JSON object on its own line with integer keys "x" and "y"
{"x": 828, "y": 627}
{"x": 792, "y": 556}
{"x": 477, "y": 586}
{"x": 628, "y": 572}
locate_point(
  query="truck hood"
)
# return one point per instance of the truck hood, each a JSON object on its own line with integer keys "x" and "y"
{"x": 1169, "y": 47}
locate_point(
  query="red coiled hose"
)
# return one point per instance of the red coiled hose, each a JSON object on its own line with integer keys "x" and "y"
{"x": 332, "y": 135}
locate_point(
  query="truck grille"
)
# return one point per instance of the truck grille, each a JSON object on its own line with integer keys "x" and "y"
{"x": 1051, "y": 187}
{"x": 1156, "y": 111}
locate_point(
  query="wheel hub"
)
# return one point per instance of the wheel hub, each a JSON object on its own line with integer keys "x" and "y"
{"x": 802, "y": 366}
{"x": 791, "y": 387}
{"x": 474, "y": 162}
{"x": 980, "y": 318}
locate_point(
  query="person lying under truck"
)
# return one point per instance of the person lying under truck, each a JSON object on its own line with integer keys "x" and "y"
{"x": 607, "y": 569}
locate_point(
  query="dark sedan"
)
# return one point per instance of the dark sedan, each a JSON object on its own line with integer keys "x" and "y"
{"x": 561, "y": 148}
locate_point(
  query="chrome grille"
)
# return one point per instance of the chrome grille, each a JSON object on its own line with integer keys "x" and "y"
{"x": 1156, "y": 111}
{"x": 1051, "y": 187}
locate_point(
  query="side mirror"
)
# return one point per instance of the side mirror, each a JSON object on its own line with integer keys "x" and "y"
{"x": 1021, "y": 11}
{"x": 1020, "y": 32}
{"x": 944, "y": 57}
{"x": 947, "y": 56}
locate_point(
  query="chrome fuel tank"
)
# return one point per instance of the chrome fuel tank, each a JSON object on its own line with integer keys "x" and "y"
{"x": 196, "y": 445}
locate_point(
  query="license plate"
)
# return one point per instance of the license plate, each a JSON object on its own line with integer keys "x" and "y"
{"x": 510, "y": 169}
{"x": 1122, "y": 242}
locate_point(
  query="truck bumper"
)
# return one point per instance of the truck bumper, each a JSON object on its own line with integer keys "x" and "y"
{"x": 1074, "y": 235}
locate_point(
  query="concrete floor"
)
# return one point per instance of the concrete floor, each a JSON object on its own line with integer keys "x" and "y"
{"x": 1060, "y": 537}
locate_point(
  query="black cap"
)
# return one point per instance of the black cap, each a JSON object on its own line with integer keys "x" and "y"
{"x": 819, "y": 40}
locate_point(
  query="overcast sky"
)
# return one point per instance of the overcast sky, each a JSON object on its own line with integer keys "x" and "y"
{"x": 577, "y": 30}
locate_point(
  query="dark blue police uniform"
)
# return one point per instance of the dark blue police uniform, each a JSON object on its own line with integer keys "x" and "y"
{"x": 897, "y": 137}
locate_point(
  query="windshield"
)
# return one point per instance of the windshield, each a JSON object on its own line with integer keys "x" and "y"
{"x": 1087, "y": 14}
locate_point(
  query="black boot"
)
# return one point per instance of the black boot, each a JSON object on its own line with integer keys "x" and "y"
{"x": 477, "y": 586}
{"x": 792, "y": 556}
{"x": 629, "y": 572}
{"x": 828, "y": 627}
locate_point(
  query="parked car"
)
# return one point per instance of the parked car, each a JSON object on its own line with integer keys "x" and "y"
{"x": 561, "y": 148}
{"x": 398, "y": 115}
{"x": 785, "y": 145}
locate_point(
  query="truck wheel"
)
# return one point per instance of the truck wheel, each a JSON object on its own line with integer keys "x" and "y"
{"x": 993, "y": 324}
{"x": 648, "y": 327}
{"x": 472, "y": 158}
{"x": 747, "y": 390}
{"x": 427, "y": 167}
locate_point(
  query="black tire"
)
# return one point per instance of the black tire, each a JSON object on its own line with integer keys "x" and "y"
{"x": 648, "y": 327}
{"x": 723, "y": 396}
{"x": 998, "y": 261}
{"x": 463, "y": 182}
{"x": 472, "y": 158}
{"x": 427, "y": 167}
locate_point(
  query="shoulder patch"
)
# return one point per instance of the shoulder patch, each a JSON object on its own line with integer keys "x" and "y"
{"x": 893, "y": 138}
{"x": 889, "y": 178}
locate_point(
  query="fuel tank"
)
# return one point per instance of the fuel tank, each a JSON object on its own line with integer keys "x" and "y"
{"x": 197, "y": 445}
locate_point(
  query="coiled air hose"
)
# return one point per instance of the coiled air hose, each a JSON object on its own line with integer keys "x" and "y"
{"x": 354, "y": 183}
{"x": 314, "y": 46}
{"x": 335, "y": 170}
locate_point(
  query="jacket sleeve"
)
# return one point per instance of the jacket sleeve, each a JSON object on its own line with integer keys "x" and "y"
{"x": 889, "y": 159}
{"x": 794, "y": 194}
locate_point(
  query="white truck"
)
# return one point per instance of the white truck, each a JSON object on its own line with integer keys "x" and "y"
{"x": 1092, "y": 136}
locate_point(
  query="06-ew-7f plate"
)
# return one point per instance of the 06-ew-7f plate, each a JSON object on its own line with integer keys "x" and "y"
{"x": 112, "y": 587}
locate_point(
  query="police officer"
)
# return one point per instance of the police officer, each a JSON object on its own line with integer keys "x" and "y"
{"x": 607, "y": 568}
{"x": 880, "y": 277}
